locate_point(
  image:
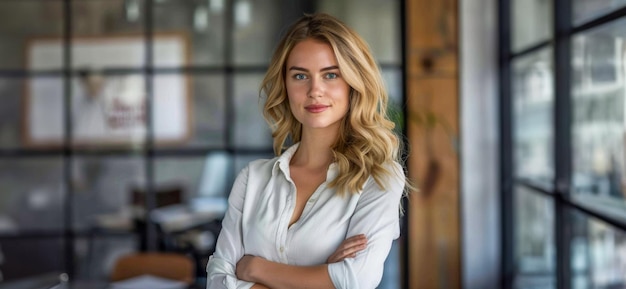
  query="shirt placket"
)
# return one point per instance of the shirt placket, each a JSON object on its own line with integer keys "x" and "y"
{"x": 282, "y": 236}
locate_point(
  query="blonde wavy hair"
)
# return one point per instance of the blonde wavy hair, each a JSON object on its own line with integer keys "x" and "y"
{"x": 367, "y": 145}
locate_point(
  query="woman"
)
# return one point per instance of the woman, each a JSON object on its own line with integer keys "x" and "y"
{"x": 323, "y": 213}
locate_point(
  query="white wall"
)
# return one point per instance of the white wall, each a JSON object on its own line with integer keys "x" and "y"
{"x": 480, "y": 200}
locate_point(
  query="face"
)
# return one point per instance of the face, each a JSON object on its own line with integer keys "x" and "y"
{"x": 318, "y": 94}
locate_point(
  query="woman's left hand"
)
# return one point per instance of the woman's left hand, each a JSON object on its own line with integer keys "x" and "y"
{"x": 245, "y": 268}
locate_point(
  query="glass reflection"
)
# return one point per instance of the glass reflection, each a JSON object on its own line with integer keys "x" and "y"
{"x": 94, "y": 257}
{"x": 109, "y": 110}
{"x": 255, "y": 31}
{"x": 201, "y": 177}
{"x": 250, "y": 129}
{"x": 533, "y": 101}
{"x": 598, "y": 253}
{"x": 200, "y": 21}
{"x": 393, "y": 84}
{"x": 104, "y": 192}
{"x": 534, "y": 223}
{"x": 584, "y": 10}
{"x": 374, "y": 20}
{"x": 531, "y": 22}
{"x": 99, "y": 17}
{"x": 32, "y": 195}
{"x": 25, "y": 102}
{"x": 17, "y": 30}
{"x": 200, "y": 110}
{"x": 598, "y": 119}
{"x": 534, "y": 240}
{"x": 108, "y": 33}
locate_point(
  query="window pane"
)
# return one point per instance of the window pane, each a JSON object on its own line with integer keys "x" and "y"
{"x": 197, "y": 103}
{"x": 206, "y": 183}
{"x": 378, "y": 22}
{"x": 393, "y": 83}
{"x": 250, "y": 129}
{"x": 534, "y": 239}
{"x": 201, "y": 23}
{"x": 34, "y": 262}
{"x": 109, "y": 110}
{"x": 208, "y": 176}
{"x": 17, "y": 29}
{"x": 171, "y": 106}
{"x": 95, "y": 255}
{"x": 31, "y": 114}
{"x": 598, "y": 128}
{"x": 588, "y": 9}
{"x": 122, "y": 23}
{"x": 532, "y": 22}
{"x": 256, "y": 30}
{"x": 32, "y": 194}
{"x": 104, "y": 189}
{"x": 598, "y": 253}
{"x": 533, "y": 101}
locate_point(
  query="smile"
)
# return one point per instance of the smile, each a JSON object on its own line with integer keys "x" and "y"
{"x": 315, "y": 108}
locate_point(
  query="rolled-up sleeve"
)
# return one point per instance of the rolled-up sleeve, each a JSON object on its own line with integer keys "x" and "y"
{"x": 376, "y": 216}
{"x": 229, "y": 248}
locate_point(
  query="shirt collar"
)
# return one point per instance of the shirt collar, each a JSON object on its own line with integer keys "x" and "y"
{"x": 285, "y": 158}
{"x": 283, "y": 161}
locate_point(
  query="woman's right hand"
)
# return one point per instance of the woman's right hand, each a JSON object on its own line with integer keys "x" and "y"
{"x": 348, "y": 249}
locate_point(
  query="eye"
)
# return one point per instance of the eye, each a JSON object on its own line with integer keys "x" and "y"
{"x": 331, "y": 75}
{"x": 299, "y": 76}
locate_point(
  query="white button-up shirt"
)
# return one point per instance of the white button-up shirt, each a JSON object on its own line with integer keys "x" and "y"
{"x": 261, "y": 205}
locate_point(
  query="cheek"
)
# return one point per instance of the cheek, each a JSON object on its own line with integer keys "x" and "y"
{"x": 291, "y": 97}
{"x": 293, "y": 92}
{"x": 343, "y": 95}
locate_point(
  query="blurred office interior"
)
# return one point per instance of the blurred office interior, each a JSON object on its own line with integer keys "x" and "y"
{"x": 124, "y": 122}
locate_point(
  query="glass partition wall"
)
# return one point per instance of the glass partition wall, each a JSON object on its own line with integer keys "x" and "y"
{"x": 113, "y": 109}
{"x": 563, "y": 86}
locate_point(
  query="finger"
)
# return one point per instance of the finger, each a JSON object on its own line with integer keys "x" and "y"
{"x": 353, "y": 250}
{"x": 349, "y": 246}
{"x": 356, "y": 237}
{"x": 346, "y": 253}
{"x": 353, "y": 241}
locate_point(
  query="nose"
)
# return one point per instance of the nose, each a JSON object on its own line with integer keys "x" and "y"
{"x": 316, "y": 88}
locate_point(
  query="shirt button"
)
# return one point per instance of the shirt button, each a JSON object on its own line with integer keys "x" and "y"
{"x": 282, "y": 249}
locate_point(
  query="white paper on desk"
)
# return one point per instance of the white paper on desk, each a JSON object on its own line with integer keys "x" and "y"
{"x": 148, "y": 281}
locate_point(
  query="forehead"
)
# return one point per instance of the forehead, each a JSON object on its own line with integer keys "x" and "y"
{"x": 312, "y": 52}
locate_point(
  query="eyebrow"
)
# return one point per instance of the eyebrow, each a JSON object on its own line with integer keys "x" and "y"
{"x": 306, "y": 70}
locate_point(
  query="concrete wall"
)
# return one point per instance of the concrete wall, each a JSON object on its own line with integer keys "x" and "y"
{"x": 480, "y": 198}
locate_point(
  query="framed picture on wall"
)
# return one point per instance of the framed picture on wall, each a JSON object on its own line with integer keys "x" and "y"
{"x": 108, "y": 92}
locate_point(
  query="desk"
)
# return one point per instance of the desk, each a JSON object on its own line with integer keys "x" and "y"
{"x": 171, "y": 218}
{"x": 177, "y": 218}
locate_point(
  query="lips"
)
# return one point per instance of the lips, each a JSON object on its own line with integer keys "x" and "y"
{"x": 315, "y": 108}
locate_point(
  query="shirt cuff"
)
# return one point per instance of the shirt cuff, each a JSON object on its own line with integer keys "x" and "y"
{"x": 220, "y": 271}
{"x": 342, "y": 275}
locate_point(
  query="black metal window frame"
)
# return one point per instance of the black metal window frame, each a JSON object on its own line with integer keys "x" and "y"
{"x": 67, "y": 152}
{"x": 559, "y": 190}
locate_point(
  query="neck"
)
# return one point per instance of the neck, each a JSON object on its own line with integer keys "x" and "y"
{"x": 315, "y": 149}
